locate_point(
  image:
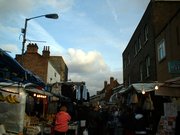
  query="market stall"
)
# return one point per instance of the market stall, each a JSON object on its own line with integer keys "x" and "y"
{"x": 169, "y": 90}
{"x": 24, "y": 101}
{"x": 24, "y": 109}
{"x": 40, "y": 111}
{"x": 12, "y": 110}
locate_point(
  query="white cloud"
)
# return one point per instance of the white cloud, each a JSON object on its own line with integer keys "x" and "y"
{"x": 63, "y": 5}
{"x": 83, "y": 62}
{"x": 89, "y": 67}
{"x": 8, "y": 7}
{"x": 12, "y": 48}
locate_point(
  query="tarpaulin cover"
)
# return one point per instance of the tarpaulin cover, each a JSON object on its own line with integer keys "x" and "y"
{"x": 11, "y": 70}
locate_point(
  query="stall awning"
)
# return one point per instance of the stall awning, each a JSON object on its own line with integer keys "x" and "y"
{"x": 147, "y": 87}
{"x": 170, "y": 87}
{"x": 168, "y": 91}
{"x": 139, "y": 87}
{"x": 120, "y": 90}
{"x": 39, "y": 91}
{"x": 12, "y": 71}
{"x": 123, "y": 90}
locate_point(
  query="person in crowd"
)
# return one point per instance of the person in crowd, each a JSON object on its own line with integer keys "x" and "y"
{"x": 127, "y": 120}
{"x": 177, "y": 126}
{"x": 140, "y": 122}
{"x": 111, "y": 123}
{"x": 93, "y": 121}
{"x": 104, "y": 120}
{"x": 61, "y": 121}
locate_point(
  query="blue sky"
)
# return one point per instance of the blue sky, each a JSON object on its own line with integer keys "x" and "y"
{"x": 90, "y": 34}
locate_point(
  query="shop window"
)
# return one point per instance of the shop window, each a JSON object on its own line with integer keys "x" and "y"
{"x": 161, "y": 50}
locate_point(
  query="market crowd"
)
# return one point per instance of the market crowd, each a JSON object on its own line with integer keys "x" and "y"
{"x": 111, "y": 120}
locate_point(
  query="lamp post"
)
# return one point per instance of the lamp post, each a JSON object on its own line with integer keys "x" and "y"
{"x": 50, "y": 16}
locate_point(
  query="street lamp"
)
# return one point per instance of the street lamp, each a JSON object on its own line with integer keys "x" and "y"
{"x": 50, "y": 16}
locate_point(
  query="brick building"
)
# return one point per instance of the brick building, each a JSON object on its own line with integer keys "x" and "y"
{"x": 167, "y": 43}
{"x": 152, "y": 55}
{"x": 50, "y": 69}
{"x": 107, "y": 91}
{"x": 140, "y": 61}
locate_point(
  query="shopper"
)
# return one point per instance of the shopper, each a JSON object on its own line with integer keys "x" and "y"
{"x": 177, "y": 125}
{"x": 140, "y": 122}
{"x": 61, "y": 121}
{"x": 94, "y": 121}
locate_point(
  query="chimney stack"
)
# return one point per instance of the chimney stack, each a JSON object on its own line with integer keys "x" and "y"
{"x": 105, "y": 84}
{"x": 46, "y": 52}
{"x": 32, "y": 48}
{"x": 111, "y": 80}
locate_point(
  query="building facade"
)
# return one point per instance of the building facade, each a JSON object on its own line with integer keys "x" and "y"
{"x": 152, "y": 56}
{"x": 167, "y": 42}
{"x": 140, "y": 58}
{"x": 139, "y": 63}
{"x": 50, "y": 69}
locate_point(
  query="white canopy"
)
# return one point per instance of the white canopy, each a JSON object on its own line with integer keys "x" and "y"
{"x": 139, "y": 87}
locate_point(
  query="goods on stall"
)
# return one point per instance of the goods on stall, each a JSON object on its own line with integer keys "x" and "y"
{"x": 148, "y": 103}
{"x": 2, "y": 98}
{"x": 2, "y": 129}
{"x": 134, "y": 98}
{"x": 166, "y": 125}
{"x": 12, "y": 99}
{"x": 33, "y": 130}
{"x": 12, "y": 106}
{"x": 9, "y": 98}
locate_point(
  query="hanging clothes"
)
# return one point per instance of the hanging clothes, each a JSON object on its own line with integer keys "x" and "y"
{"x": 148, "y": 104}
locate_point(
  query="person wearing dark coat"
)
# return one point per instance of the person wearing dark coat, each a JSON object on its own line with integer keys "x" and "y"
{"x": 93, "y": 121}
{"x": 140, "y": 122}
{"x": 177, "y": 127}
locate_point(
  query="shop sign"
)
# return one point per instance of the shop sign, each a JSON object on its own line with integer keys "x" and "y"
{"x": 174, "y": 67}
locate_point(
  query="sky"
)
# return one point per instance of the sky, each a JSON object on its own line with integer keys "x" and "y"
{"x": 90, "y": 35}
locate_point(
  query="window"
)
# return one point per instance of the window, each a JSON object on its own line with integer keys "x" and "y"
{"x": 178, "y": 35}
{"x": 141, "y": 71}
{"x": 148, "y": 66}
{"x": 135, "y": 49}
{"x": 137, "y": 46}
{"x": 125, "y": 64}
{"x": 161, "y": 50}
{"x": 139, "y": 43}
{"x": 129, "y": 80}
{"x": 129, "y": 59}
{"x": 146, "y": 33}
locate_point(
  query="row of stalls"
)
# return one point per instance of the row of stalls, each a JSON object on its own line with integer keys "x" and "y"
{"x": 160, "y": 108}
{"x": 26, "y": 106}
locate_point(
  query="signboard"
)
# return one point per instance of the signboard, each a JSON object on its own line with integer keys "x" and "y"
{"x": 174, "y": 67}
